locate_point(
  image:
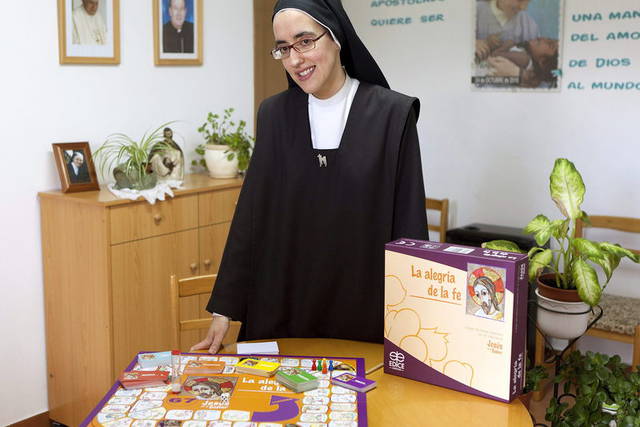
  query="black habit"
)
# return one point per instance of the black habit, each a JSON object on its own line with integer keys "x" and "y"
{"x": 305, "y": 253}
{"x": 177, "y": 42}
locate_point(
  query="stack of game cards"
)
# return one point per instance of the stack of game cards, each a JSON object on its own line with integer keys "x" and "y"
{"x": 153, "y": 360}
{"x": 141, "y": 379}
{"x": 296, "y": 379}
{"x": 203, "y": 367}
{"x": 354, "y": 382}
{"x": 257, "y": 367}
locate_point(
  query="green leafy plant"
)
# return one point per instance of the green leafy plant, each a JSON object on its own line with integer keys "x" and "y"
{"x": 533, "y": 378}
{"x": 605, "y": 390}
{"x": 223, "y": 131}
{"x": 128, "y": 157}
{"x": 573, "y": 262}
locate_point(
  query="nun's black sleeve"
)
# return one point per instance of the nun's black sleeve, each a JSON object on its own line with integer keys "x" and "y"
{"x": 235, "y": 278}
{"x": 409, "y": 218}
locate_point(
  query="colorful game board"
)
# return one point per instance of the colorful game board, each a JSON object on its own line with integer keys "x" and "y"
{"x": 232, "y": 399}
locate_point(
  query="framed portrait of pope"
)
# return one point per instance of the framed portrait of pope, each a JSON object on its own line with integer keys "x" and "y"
{"x": 89, "y": 31}
{"x": 177, "y": 32}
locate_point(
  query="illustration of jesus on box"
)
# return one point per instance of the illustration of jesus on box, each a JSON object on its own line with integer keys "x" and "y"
{"x": 485, "y": 293}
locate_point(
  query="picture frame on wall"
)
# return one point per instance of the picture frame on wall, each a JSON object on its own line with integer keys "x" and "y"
{"x": 89, "y": 31}
{"x": 75, "y": 167}
{"x": 177, "y": 32}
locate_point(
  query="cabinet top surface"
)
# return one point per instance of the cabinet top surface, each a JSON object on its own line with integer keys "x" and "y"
{"x": 193, "y": 184}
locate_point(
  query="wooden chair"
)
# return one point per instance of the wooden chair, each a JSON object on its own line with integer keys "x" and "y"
{"x": 441, "y": 205}
{"x": 621, "y": 315}
{"x": 197, "y": 285}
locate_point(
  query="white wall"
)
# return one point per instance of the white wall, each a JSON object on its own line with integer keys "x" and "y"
{"x": 42, "y": 102}
{"x": 491, "y": 153}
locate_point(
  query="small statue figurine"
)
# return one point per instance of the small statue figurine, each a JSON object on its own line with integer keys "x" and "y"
{"x": 166, "y": 159}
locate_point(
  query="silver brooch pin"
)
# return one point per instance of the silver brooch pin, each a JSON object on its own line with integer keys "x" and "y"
{"x": 323, "y": 160}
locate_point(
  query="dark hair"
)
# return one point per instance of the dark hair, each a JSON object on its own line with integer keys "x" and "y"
{"x": 543, "y": 67}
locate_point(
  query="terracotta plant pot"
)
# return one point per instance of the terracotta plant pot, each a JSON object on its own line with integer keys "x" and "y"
{"x": 561, "y": 313}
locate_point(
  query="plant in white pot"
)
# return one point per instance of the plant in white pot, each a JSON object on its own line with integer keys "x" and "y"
{"x": 566, "y": 276}
{"x": 227, "y": 148}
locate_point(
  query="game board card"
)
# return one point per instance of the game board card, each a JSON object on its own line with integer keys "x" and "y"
{"x": 315, "y": 409}
{"x": 343, "y": 416}
{"x": 235, "y": 415}
{"x": 229, "y": 360}
{"x": 161, "y": 388}
{"x": 144, "y": 423}
{"x": 105, "y": 418}
{"x": 290, "y": 362}
{"x": 208, "y": 358}
{"x": 193, "y": 423}
{"x": 220, "y": 424}
{"x": 314, "y": 418}
{"x": 343, "y": 398}
{"x": 122, "y": 422}
{"x": 153, "y": 395}
{"x": 142, "y": 405}
{"x": 343, "y": 407}
{"x": 124, "y": 392}
{"x": 317, "y": 392}
{"x": 122, "y": 400}
{"x": 179, "y": 414}
{"x": 115, "y": 409}
{"x": 336, "y": 389}
{"x": 207, "y": 414}
{"x": 343, "y": 424}
{"x": 315, "y": 400}
{"x": 229, "y": 370}
{"x": 149, "y": 414}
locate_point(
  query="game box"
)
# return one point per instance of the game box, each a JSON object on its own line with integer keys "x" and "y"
{"x": 456, "y": 316}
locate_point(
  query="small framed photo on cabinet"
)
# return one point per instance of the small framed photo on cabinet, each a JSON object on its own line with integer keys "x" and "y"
{"x": 75, "y": 167}
{"x": 89, "y": 31}
{"x": 177, "y": 32}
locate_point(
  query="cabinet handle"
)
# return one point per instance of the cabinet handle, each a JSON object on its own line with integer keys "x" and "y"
{"x": 193, "y": 267}
{"x": 207, "y": 263}
{"x": 157, "y": 218}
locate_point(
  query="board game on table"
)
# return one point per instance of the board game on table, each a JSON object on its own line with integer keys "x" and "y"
{"x": 234, "y": 399}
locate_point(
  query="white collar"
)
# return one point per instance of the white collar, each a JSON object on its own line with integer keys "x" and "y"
{"x": 338, "y": 97}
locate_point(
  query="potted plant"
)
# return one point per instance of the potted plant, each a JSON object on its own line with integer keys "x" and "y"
{"x": 570, "y": 283}
{"x": 605, "y": 390}
{"x": 227, "y": 148}
{"x": 129, "y": 158}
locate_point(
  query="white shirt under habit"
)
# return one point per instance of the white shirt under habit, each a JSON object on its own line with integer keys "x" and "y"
{"x": 328, "y": 117}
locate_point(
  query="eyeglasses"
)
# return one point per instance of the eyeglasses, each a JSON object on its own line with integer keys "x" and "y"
{"x": 300, "y": 46}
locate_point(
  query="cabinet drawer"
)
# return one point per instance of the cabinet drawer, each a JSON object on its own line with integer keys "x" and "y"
{"x": 141, "y": 220}
{"x": 217, "y": 206}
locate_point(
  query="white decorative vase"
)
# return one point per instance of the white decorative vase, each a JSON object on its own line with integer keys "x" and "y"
{"x": 562, "y": 322}
{"x": 218, "y": 164}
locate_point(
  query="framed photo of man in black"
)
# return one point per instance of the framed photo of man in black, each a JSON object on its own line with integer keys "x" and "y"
{"x": 177, "y": 32}
{"x": 75, "y": 167}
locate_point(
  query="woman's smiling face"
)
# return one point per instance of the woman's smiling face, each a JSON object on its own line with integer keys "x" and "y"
{"x": 317, "y": 71}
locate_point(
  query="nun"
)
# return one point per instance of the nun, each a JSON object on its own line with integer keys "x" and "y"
{"x": 336, "y": 173}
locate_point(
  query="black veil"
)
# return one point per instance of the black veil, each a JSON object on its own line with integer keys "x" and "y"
{"x": 353, "y": 54}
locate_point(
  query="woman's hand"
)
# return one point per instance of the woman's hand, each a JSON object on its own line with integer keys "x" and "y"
{"x": 217, "y": 331}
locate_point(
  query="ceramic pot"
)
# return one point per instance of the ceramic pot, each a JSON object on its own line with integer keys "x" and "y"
{"x": 561, "y": 313}
{"x": 217, "y": 163}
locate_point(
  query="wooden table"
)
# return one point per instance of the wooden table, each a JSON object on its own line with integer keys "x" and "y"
{"x": 398, "y": 401}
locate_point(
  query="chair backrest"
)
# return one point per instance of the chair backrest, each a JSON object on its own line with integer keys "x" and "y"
{"x": 190, "y": 286}
{"x": 441, "y": 205}
{"x": 619, "y": 223}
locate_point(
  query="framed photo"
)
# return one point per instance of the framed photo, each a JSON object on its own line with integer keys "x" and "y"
{"x": 75, "y": 167}
{"x": 89, "y": 31}
{"x": 177, "y": 32}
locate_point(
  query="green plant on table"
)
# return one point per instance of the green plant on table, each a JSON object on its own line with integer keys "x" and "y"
{"x": 573, "y": 262}
{"x": 128, "y": 158}
{"x": 218, "y": 130}
{"x": 605, "y": 390}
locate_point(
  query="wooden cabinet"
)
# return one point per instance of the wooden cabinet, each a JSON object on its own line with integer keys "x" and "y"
{"x": 107, "y": 264}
